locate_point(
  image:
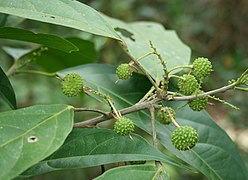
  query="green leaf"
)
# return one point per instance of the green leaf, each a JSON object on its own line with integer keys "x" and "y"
{"x": 137, "y": 36}
{"x": 30, "y": 134}
{"x": 39, "y": 38}
{"x": 215, "y": 155}
{"x": 144, "y": 172}
{"x": 6, "y": 90}
{"x": 92, "y": 147}
{"x": 3, "y": 19}
{"x": 53, "y": 60}
{"x": 68, "y": 13}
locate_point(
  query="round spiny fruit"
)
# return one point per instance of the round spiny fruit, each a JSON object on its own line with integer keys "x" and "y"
{"x": 198, "y": 104}
{"x": 163, "y": 115}
{"x": 123, "y": 71}
{"x": 188, "y": 85}
{"x": 72, "y": 84}
{"x": 124, "y": 126}
{"x": 184, "y": 138}
{"x": 202, "y": 67}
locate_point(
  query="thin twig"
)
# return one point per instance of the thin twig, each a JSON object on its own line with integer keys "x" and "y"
{"x": 35, "y": 72}
{"x": 148, "y": 94}
{"x": 175, "y": 76}
{"x": 91, "y": 110}
{"x": 224, "y": 102}
{"x": 172, "y": 119}
{"x": 241, "y": 89}
{"x": 179, "y": 67}
{"x": 134, "y": 60}
{"x": 191, "y": 97}
{"x": 148, "y": 104}
{"x": 134, "y": 108}
{"x": 105, "y": 97}
{"x": 154, "y": 134}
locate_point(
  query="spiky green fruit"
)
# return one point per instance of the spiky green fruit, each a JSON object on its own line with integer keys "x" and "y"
{"x": 188, "y": 84}
{"x": 198, "y": 104}
{"x": 202, "y": 67}
{"x": 163, "y": 115}
{"x": 124, "y": 126}
{"x": 72, "y": 84}
{"x": 123, "y": 71}
{"x": 184, "y": 138}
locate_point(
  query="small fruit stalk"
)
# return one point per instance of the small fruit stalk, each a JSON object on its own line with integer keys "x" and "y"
{"x": 164, "y": 115}
{"x": 190, "y": 84}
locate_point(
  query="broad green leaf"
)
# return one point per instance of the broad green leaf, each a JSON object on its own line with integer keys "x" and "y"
{"x": 215, "y": 155}
{"x": 144, "y": 172}
{"x": 31, "y": 134}
{"x": 92, "y": 147}
{"x": 3, "y": 19}
{"x": 54, "y": 60}
{"x": 39, "y": 38}
{"x": 6, "y": 90}
{"x": 68, "y": 13}
{"x": 137, "y": 36}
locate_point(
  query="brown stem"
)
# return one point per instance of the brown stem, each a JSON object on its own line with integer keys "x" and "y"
{"x": 148, "y": 104}
{"x": 154, "y": 134}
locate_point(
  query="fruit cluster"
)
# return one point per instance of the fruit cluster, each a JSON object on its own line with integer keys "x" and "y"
{"x": 190, "y": 84}
{"x": 184, "y": 137}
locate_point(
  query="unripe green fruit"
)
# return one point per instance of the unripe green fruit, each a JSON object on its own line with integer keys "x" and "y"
{"x": 72, "y": 84}
{"x": 184, "y": 138}
{"x": 123, "y": 71}
{"x": 202, "y": 67}
{"x": 188, "y": 85}
{"x": 198, "y": 104}
{"x": 163, "y": 115}
{"x": 124, "y": 126}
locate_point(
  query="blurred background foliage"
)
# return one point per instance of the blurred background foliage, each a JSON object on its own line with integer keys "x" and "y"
{"x": 217, "y": 29}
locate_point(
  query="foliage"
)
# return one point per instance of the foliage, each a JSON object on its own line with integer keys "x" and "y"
{"x": 40, "y": 138}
